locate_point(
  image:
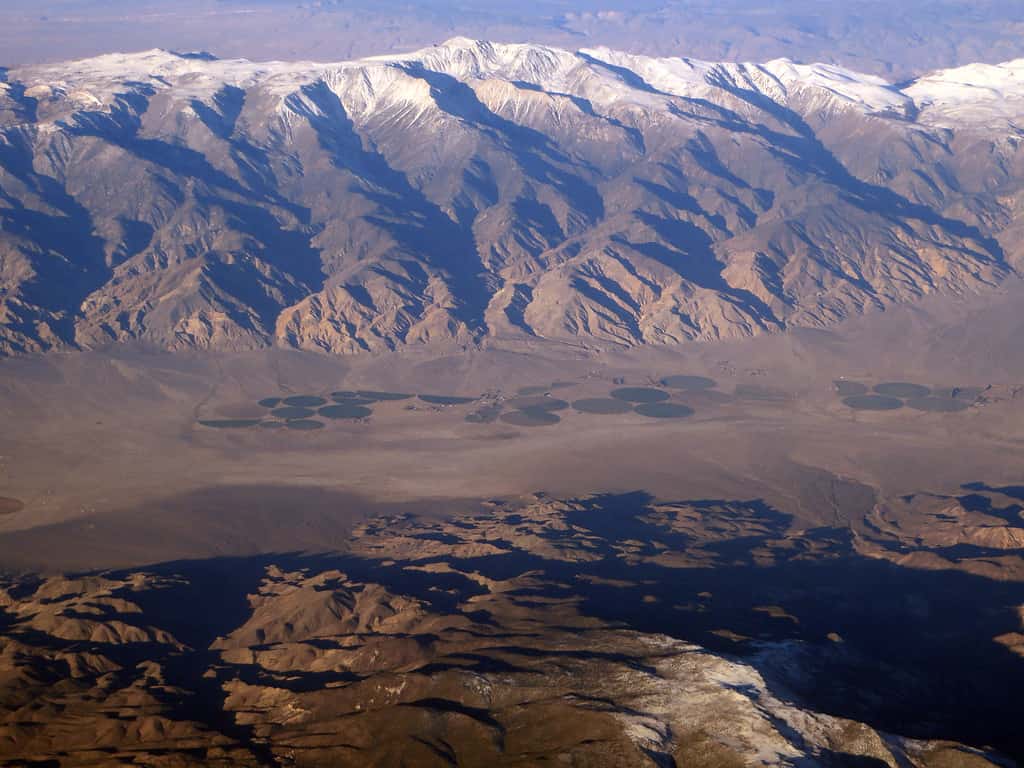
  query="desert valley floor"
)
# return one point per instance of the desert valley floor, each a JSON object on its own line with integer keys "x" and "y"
{"x": 521, "y": 513}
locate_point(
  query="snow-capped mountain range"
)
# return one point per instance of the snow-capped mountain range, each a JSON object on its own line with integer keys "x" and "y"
{"x": 472, "y": 192}
{"x": 973, "y": 93}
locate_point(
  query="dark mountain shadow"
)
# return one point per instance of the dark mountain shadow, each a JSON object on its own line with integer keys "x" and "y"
{"x": 252, "y": 162}
{"x": 210, "y": 604}
{"x": 479, "y": 190}
{"x": 120, "y": 122}
{"x": 196, "y": 55}
{"x": 703, "y": 152}
{"x": 28, "y": 107}
{"x": 221, "y": 121}
{"x": 906, "y": 651}
{"x": 698, "y": 110}
{"x": 69, "y": 261}
{"x": 836, "y": 759}
{"x": 1013, "y": 491}
{"x": 534, "y": 152}
{"x": 537, "y": 215}
{"x": 182, "y": 162}
{"x": 625, "y": 316}
{"x": 481, "y": 716}
{"x": 246, "y": 287}
{"x": 135, "y": 238}
{"x": 976, "y": 502}
{"x": 627, "y": 76}
{"x": 635, "y": 136}
{"x": 916, "y": 645}
{"x": 534, "y": 228}
{"x": 207, "y": 599}
{"x": 682, "y": 201}
{"x": 121, "y": 125}
{"x": 421, "y": 228}
{"x": 473, "y": 662}
{"x": 799, "y": 231}
{"x": 689, "y": 250}
{"x": 690, "y": 254}
{"x": 522, "y": 296}
{"x": 289, "y": 251}
{"x": 705, "y": 111}
{"x": 803, "y": 150}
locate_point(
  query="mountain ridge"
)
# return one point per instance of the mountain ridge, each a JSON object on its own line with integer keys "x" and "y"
{"x": 479, "y": 59}
{"x": 473, "y": 192}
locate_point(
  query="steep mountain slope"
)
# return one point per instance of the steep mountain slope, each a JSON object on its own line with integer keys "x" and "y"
{"x": 475, "y": 192}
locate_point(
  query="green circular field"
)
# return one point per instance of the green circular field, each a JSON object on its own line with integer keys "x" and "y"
{"x": 873, "y": 403}
{"x": 901, "y": 389}
{"x": 602, "y": 405}
{"x": 531, "y": 417}
{"x": 345, "y": 411}
{"x": 664, "y": 410}
{"x": 639, "y": 394}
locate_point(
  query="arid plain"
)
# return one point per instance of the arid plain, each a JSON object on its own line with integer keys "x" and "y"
{"x": 772, "y": 427}
{"x": 510, "y": 578}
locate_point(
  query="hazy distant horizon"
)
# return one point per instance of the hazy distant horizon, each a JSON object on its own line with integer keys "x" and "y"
{"x": 897, "y": 40}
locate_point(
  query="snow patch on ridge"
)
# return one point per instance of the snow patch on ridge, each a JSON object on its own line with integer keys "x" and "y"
{"x": 868, "y": 93}
{"x": 974, "y": 95}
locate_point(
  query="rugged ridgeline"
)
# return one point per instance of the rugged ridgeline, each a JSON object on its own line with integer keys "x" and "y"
{"x": 533, "y": 634}
{"x": 474, "y": 191}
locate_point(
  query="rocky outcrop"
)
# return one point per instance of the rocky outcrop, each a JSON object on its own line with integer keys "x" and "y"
{"x": 539, "y": 630}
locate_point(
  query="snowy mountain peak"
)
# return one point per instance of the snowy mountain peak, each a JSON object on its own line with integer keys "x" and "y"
{"x": 975, "y": 94}
{"x": 475, "y": 190}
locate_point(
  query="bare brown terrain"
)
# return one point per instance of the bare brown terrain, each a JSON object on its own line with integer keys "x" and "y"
{"x": 477, "y": 193}
{"x": 777, "y": 577}
{"x": 503, "y": 404}
{"x": 773, "y": 427}
{"x": 531, "y": 631}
